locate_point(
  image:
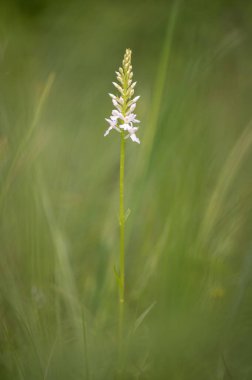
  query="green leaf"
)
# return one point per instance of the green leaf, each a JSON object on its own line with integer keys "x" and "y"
{"x": 141, "y": 318}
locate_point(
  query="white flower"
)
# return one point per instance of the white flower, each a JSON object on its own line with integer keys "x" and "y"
{"x": 112, "y": 125}
{"x": 132, "y": 134}
{"x": 130, "y": 118}
{"x": 122, "y": 118}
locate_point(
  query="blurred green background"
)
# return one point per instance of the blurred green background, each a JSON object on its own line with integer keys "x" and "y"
{"x": 188, "y": 186}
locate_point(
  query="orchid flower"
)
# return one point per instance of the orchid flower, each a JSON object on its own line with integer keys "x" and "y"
{"x": 122, "y": 118}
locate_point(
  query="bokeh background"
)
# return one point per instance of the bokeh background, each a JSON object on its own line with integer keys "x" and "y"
{"x": 188, "y": 190}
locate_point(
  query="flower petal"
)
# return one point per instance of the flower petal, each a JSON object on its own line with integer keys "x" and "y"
{"x": 112, "y": 96}
{"x": 117, "y": 113}
{"x": 134, "y": 138}
{"x": 107, "y": 131}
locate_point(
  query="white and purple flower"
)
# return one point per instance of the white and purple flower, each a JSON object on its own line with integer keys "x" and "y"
{"x": 122, "y": 118}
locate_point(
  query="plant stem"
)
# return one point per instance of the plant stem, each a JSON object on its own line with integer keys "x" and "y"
{"x": 122, "y": 249}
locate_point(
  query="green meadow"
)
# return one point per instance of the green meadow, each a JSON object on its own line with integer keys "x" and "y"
{"x": 188, "y": 191}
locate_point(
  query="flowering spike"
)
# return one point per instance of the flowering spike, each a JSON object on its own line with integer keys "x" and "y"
{"x": 122, "y": 118}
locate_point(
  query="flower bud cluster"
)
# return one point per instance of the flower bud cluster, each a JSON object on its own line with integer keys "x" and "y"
{"x": 122, "y": 118}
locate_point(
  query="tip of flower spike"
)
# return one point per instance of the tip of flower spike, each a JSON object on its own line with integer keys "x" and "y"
{"x": 128, "y": 53}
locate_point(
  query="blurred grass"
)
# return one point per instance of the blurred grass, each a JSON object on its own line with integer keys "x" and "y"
{"x": 188, "y": 186}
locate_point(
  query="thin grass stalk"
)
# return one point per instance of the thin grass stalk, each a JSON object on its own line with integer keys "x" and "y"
{"x": 85, "y": 343}
{"x": 158, "y": 91}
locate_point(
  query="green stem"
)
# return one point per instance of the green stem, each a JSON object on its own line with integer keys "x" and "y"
{"x": 122, "y": 244}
